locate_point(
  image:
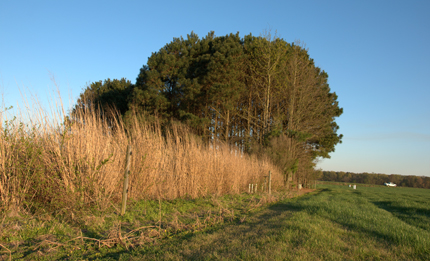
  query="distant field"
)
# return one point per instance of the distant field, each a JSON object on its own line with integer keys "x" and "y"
{"x": 332, "y": 223}
{"x": 319, "y": 182}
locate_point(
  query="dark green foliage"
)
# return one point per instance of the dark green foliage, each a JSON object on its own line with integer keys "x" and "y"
{"x": 108, "y": 95}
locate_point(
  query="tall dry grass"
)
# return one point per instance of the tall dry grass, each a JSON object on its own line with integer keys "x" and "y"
{"x": 50, "y": 164}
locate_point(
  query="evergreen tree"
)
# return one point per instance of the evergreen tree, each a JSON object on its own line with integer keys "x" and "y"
{"x": 105, "y": 95}
{"x": 260, "y": 94}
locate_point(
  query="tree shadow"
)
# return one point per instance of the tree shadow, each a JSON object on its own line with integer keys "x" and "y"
{"x": 228, "y": 241}
{"x": 414, "y": 216}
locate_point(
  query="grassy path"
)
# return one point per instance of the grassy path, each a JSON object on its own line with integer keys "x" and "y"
{"x": 333, "y": 223}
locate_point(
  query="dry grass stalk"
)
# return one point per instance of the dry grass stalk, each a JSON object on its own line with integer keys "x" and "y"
{"x": 10, "y": 253}
{"x": 73, "y": 163}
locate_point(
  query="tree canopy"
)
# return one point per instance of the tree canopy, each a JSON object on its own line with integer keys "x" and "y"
{"x": 259, "y": 94}
{"x": 107, "y": 94}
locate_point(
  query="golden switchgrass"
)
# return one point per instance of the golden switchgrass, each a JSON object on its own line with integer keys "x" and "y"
{"x": 52, "y": 163}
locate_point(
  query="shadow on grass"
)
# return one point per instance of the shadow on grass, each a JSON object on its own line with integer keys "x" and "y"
{"x": 414, "y": 216}
{"x": 233, "y": 240}
{"x": 417, "y": 217}
{"x": 254, "y": 236}
{"x": 226, "y": 239}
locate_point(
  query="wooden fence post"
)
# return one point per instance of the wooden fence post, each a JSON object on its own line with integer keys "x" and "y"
{"x": 125, "y": 186}
{"x": 270, "y": 182}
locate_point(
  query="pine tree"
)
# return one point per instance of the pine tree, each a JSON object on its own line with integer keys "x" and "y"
{"x": 261, "y": 94}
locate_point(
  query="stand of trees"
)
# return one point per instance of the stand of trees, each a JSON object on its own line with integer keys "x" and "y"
{"x": 376, "y": 179}
{"x": 261, "y": 95}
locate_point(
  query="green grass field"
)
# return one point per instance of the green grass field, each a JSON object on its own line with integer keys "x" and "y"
{"x": 332, "y": 223}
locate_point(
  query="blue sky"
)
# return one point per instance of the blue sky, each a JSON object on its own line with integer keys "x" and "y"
{"x": 376, "y": 53}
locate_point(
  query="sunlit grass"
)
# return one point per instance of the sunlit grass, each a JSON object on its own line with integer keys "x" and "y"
{"x": 332, "y": 223}
{"x": 336, "y": 223}
{"x": 48, "y": 164}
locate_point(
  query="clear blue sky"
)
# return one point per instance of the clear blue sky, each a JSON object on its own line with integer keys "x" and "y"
{"x": 376, "y": 53}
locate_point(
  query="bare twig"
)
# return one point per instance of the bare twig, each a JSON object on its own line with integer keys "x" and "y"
{"x": 135, "y": 230}
{"x": 117, "y": 210}
{"x": 10, "y": 252}
{"x": 120, "y": 239}
{"x": 89, "y": 238}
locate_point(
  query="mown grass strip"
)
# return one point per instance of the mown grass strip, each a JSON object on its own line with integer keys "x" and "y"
{"x": 333, "y": 223}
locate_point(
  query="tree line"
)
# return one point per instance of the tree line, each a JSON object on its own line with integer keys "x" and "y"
{"x": 376, "y": 179}
{"x": 262, "y": 95}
